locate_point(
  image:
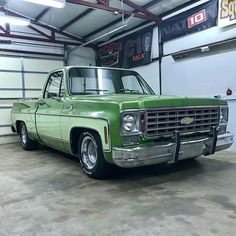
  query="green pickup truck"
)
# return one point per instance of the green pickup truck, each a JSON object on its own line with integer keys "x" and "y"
{"x": 108, "y": 116}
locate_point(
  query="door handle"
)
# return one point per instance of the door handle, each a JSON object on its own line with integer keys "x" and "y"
{"x": 41, "y": 102}
{"x": 69, "y": 107}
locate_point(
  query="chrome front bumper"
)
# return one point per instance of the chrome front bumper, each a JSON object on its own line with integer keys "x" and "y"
{"x": 171, "y": 152}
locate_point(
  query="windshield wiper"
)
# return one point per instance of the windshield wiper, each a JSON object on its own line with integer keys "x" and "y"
{"x": 129, "y": 90}
{"x": 96, "y": 90}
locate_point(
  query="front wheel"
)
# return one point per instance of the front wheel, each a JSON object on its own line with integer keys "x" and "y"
{"x": 91, "y": 155}
{"x": 25, "y": 141}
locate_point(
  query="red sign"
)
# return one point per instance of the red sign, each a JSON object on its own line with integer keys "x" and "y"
{"x": 197, "y": 18}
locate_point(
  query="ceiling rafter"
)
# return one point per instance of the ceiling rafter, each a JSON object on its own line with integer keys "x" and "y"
{"x": 186, "y": 4}
{"x": 145, "y": 6}
{"x": 164, "y": 14}
{"x": 85, "y": 13}
{"x": 150, "y": 4}
{"x": 38, "y": 17}
{"x": 39, "y": 31}
{"x": 37, "y": 39}
{"x": 110, "y": 9}
{"x": 2, "y": 29}
{"x": 104, "y": 2}
{"x": 52, "y": 29}
{"x": 140, "y": 9}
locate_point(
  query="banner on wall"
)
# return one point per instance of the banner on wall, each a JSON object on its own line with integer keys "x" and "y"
{"x": 196, "y": 19}
{"x": 131, "y": 51}
{"x": 226, "y": 13}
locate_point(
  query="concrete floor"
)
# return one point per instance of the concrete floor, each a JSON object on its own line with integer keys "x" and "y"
{"x": 46, "y": 193}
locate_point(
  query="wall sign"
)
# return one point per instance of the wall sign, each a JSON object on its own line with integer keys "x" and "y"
{"x": 196, "y": 19}
{"x": 131, "y": 51}
{"x": 226, "y": 13}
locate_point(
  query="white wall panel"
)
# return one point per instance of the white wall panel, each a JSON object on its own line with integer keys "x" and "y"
{"x": 32, "y": 94}
{"x": 204, "y": 37}
{"x": 42, "y": 65}
{"x": 82, "y": 57}
{"x": 10, "y": 94}
{"x": 202, "y": 76}
{"x": 10, "y": 80}
{"x": 155, "y": 46}
{"x": 232, "y": 119}
{"x": 5, "y": 130}
{"x": 5, "y": 116}
{"x": 34, "y": 80}
{"x": 13, "y": 80}
{"x": 10, "y": 63}
{"x": 151, "y": 74}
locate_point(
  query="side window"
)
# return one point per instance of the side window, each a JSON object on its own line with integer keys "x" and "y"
{"x": 55, "y": 86}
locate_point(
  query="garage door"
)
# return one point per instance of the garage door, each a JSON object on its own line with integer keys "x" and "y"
{"x": 21, "y": 77}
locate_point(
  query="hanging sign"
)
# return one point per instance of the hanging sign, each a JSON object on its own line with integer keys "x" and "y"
{"x": 196, "y": 19}
{"x": 131, "y": 51}
{"x": 137, "y": 48}
{"x": 226, "y": 13}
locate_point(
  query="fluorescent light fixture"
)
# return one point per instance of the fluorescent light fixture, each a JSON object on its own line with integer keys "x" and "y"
{"x": 14, "y": 20}
{"x": 50, "y": 3}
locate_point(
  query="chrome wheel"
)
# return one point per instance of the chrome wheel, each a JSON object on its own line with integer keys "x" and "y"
{"x": 89, "y": 152}
{"x": 23, "y": 135}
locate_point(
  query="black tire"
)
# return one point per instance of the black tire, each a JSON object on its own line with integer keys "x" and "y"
{"x": 91, "y": 155}
{"x": 25, "y": 141}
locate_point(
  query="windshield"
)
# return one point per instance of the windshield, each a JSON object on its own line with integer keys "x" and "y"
{"x": 106, "y": 81}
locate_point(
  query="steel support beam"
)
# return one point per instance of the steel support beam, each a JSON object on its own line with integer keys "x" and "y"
{"x": 40, "y": 32}
{"x": 110, "y": 9}
{"x": 29, "y": 52}
{"x": 12, "y": 36}
{"x": 150, "y": 4}
{"x": 52, "y": 29}
{"x": 85, "y": 13}
{"x": 37, "y": 18}
{"x": 141, "y": 9}
{"x": 2, "y": 29}
{"x": 145, "y": 6}
{"x": 104, "y": 2}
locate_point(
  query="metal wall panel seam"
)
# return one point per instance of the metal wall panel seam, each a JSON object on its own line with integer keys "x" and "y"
{"x": 29, "y": 72}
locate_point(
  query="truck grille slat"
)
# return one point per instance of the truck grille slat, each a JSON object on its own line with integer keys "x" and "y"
{"x": 162, "y": 122}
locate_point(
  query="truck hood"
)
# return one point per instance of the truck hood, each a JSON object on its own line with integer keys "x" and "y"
{"x": 137, "y": 101}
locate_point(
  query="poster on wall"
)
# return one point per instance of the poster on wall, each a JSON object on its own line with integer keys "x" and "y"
{"x": 110, "y": 55}
{"x": 131, "y": 51}
{"x": 194, "y": 20}
{"x": 137, "y": 48}
{"x": 226, "y": 13}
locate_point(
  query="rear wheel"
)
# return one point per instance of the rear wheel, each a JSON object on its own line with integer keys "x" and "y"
{"x": 91, "y": 155}
{"x": 25, "y": 141}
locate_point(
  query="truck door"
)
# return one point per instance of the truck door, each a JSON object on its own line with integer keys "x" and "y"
{"x": 49, "y": 110}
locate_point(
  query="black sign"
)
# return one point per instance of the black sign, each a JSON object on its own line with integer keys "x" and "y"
{"x": 131, "y": 51}
{"x": 196, "y": 19}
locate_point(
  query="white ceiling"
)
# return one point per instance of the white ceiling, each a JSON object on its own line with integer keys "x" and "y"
{"x": 91, "y": 22}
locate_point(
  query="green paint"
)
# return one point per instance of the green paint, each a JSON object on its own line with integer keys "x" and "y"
{"x": 52, "y": 122}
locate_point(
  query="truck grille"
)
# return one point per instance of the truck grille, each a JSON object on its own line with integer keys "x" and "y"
{"x": 164, "y": 122}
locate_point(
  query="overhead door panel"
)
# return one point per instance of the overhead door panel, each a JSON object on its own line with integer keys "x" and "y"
{"x": 21, "y": 77}
{"x": 40, "y": 65}
{"x": 34, "y": 80}
{"x": 10, "y": 80}
{"x": 10, "y": 63}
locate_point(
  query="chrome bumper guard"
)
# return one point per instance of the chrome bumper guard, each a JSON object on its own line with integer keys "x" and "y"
{"x": 171, "y": 152}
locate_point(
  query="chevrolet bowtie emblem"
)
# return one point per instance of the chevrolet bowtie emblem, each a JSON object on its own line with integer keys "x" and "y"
{"x": 187, "y": 121}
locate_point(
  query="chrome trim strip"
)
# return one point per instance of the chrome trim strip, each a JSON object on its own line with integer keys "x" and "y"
{"x": 184, "y": 107}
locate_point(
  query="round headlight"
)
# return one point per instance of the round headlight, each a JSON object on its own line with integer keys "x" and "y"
{"x": 129, "y": 123}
